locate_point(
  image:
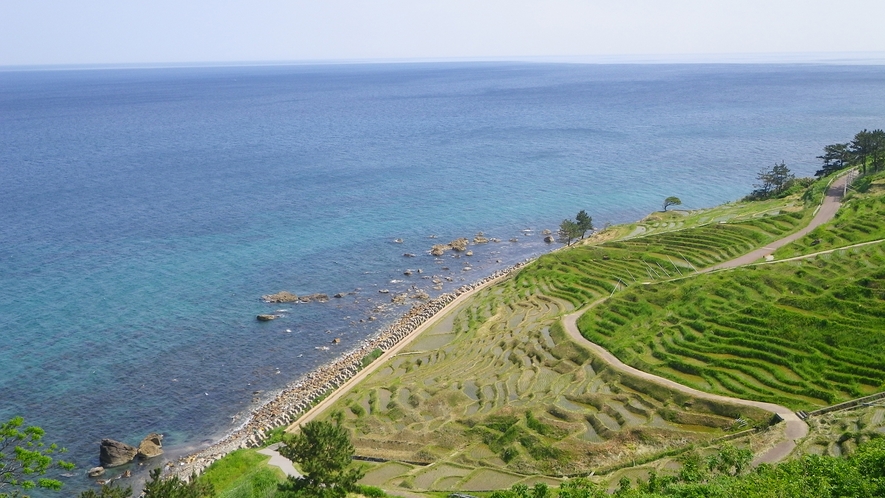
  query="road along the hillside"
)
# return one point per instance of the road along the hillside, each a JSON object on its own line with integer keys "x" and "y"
{"x": 825, "y": 213}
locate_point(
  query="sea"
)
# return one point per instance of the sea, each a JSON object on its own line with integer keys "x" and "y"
{"x": 145, "y": 211}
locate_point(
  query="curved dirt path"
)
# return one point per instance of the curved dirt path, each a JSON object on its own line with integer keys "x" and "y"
{"x": 795, "y": 428}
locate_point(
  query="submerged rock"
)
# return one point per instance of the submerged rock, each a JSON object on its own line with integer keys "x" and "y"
{"x": 114, "y": 453}
{"x": 95, "y": 471}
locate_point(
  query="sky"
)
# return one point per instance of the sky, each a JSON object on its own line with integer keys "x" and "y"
{"x": 96, "y": 32}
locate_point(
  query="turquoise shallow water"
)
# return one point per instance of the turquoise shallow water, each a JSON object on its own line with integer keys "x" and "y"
{"x": 144, "y": 212}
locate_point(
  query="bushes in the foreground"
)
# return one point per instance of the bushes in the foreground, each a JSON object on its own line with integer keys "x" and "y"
{"x": 728, "y": 474}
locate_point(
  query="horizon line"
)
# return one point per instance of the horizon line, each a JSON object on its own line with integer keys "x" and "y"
{"x": 824, "y": 58}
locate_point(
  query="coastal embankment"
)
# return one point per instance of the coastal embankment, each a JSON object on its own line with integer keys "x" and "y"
{"x": 302, "y": 394}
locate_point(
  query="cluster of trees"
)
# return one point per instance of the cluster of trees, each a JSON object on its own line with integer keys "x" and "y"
{"x": 574, "y": 229}
{"x": 866, "y": 150}
{"x": 773, "y": 182}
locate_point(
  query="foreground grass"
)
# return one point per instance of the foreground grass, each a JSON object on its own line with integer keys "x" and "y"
{"x": 243, "y": 474}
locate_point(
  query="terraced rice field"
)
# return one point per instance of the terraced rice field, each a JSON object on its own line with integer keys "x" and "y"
{"x": 803, "y": 334}
{"x": 510, "y": 394}
{"x": 586, "y": 273}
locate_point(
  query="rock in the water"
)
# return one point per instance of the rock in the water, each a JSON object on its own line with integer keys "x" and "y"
{"x": 459, "y": 245}
{"x": 469, "y": 253}
{"x": 439, "y": 249}
{"x": 408, "y": 255}
{"x": 480, "y": 239}
{"x": 340, "y": 295}
{"x": 95, "y": 471}
{"x": 266, "y": 318}
{"x": 280, "y": 297}
{"x": 151, "y": 446}
{"x": 114, "y": 453}
{"x": 549, "y": 239}
{"x": 546, "y": 232}
{"x": 407, "y": 272}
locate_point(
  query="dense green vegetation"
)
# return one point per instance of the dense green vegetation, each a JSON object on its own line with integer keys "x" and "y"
{"x": 727, "y": 474}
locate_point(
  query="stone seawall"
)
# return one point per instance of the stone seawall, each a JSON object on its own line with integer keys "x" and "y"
{"x": 304, "y": 392}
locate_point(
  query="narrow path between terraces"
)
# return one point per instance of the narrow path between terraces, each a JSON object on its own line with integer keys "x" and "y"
{"x": 795, "y": 428}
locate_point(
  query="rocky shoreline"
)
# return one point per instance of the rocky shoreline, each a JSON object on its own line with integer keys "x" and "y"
{"x": 301, "y": 394}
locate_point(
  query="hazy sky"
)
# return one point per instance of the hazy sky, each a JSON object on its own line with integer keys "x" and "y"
{"x": 181, "y": 31}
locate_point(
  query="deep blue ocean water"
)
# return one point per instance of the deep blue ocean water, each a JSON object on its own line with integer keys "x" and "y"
{"x": 143, "y": 212}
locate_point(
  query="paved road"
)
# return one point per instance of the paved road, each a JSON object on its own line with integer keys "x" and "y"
{"x": 280, "y": 461}
{"x": 825, "y": 213}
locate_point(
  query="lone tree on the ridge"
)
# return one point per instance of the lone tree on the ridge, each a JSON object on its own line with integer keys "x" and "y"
{"x": 672, "y": 201}
{"x": 324, "y": 452}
